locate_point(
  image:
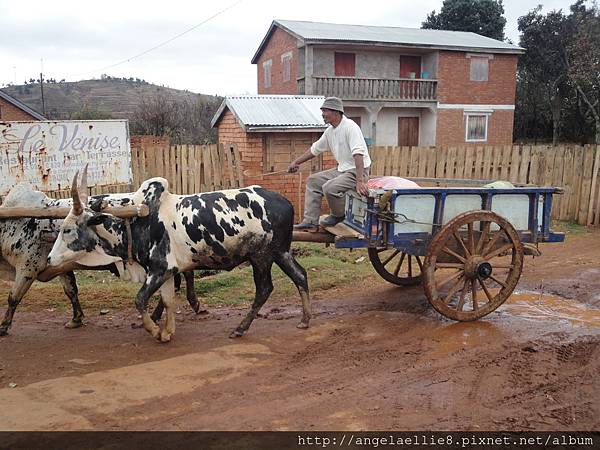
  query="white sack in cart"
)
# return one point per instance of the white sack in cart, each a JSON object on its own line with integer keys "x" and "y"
{"x": 391, "y": 183}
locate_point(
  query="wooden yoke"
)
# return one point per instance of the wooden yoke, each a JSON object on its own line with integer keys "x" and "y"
{"x": 123, "y": 212}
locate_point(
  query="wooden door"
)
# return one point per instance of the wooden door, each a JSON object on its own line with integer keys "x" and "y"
{"x": 410, "y": 64}
{"x": 408, "y": 131}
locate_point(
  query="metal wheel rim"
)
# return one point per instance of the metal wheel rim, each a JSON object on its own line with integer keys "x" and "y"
{"x": 468, "y": 283}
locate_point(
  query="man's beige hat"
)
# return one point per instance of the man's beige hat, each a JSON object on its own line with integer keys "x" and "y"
{"x": 333, "y": 103}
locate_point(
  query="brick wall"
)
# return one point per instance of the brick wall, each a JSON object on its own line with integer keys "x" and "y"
{"x": 8, "y": 111}
{"x": 279, "y": 43}
{"x": 455, "y": 87}
{"x": 451, "y": 129}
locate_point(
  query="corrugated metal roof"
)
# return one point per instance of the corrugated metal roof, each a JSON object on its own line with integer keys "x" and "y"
{"x": 319, "y": 32}
{"x": 19, "y": 104}
{"x": 274, "y": 111}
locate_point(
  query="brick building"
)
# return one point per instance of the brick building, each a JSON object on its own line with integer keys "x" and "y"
{"x": 270, "y": 131}
{"x": 13, "y": 109}
{"x": 403, "y": 86}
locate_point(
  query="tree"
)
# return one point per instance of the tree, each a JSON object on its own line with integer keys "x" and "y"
{"x": 542, "y": 73}
{"x": 485, "y": 17}
{"x": 185, "y": 121}
{"x": 582, "y": 59}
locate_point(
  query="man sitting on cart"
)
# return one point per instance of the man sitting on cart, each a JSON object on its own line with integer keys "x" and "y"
{"x": 344, "y": 139}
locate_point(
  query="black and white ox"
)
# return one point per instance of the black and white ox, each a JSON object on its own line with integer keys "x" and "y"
{"x": 25, "y": 245}
{"x": 213, "y": 230}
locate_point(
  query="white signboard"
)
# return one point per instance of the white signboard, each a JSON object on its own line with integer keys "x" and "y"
{"x": 47, "y": 154}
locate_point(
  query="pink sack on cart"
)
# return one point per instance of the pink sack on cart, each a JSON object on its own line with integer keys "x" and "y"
{"x": 391, "y": 183}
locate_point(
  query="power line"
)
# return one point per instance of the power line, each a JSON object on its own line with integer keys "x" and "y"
{"x": 145, "y": 52}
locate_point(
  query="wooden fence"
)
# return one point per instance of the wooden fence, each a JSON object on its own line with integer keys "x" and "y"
{"x": 574, "y": 168}
{"x": 188, "y": 168}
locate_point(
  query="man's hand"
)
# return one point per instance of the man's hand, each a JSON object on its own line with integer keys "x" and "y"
{"x": 361, "y": 188}
{"x": 293, "y": 167}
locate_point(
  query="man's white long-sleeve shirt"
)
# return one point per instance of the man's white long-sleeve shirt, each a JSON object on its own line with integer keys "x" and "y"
{"x": 344, "y": 141}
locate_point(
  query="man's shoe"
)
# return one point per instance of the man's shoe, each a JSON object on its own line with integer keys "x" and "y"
{"x": 331, "y": 220}
{"x": 305, "y": 226}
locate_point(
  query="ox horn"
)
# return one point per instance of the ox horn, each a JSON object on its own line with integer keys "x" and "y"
{"x": 83, "y": 187}
{"x": 77, "y": 207}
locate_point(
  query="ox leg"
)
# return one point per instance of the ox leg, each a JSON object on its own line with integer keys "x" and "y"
{"x": 296, "y": 272}
{"x": 177, "y": 280}
{"x": 69, "y": 285}
{"x": 190, "y": 294}
{"x": 150, "y": 286}
{"x": 20, "y": 286}
{"x": 264, "y": 287}
{"x": 158, "y": 311}
{"x": 167, "y": 294}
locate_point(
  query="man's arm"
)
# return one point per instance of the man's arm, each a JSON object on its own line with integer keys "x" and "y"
{"x": 294, "y": 165}
{"x": 361, "y": 183}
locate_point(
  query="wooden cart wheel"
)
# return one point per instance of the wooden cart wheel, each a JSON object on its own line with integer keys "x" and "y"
{"x": 472, "y": 265}
{"x": 396, "y": 266}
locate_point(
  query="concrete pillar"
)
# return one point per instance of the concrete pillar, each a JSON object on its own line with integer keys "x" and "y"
{"x": 308, "y": 70}
{"x": 373, "y": 111}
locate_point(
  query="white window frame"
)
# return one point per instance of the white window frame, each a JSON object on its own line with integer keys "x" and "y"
{"x": 286, "y": 76}
{"x": 479, "y": 57}
{"x": 470, "y": 114}
{"x": 267, "y": 73}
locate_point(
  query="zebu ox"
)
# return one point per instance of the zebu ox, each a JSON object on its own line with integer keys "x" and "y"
{"x": 25, "y": 245}
{"x": 213, "y": 230}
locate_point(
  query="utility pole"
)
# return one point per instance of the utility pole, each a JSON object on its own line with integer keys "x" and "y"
{"x": 42, "y": 91}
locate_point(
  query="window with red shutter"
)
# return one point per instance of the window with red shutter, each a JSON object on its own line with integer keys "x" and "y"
{"x": 345, "y": 64}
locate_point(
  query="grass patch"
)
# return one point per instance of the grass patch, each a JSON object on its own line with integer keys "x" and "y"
{"x": 327, "y": 268}
{"x": 571, "y": 228}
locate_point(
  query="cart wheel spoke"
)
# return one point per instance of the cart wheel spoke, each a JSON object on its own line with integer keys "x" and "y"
{"x": 485, "y": 235}
{"x": 496, "y": 280}
{"x": 461, "y": 300}
{"x": 454, "y": 254}
{"x": 452, "y": 277}
{"x": 453, "y": 290}
{"x": 409, "y": 266}
{"x": 490, "y": 245}
{"x": 389, "y": 258}
{"x": 471, "y": 240}
{"x": 462, "y": 243}
{"x": 498, "y": 251}
{"x": 399, "y": 264}
{"x": 446, "y": 265}
{"x": 419, "y": 262}
{"x": 474, "y": 295}
{"x": 487, "y": 292}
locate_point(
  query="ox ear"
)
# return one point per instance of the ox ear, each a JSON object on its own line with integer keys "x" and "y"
{"x": 97, "y": 219}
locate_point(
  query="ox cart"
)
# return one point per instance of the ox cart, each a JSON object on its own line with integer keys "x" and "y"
{"x": 464, "y": 242}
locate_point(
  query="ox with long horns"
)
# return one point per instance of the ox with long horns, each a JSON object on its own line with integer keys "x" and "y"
{"x": 213, "y": 230}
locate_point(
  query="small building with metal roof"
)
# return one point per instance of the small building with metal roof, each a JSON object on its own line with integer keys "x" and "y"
{"x": 269, "y": 132}
{"x": 408, "y": 87}
{"x": 14, "y": 109}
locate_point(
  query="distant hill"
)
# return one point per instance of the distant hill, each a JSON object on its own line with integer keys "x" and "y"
{"x": 188, "y": 114}
{"x": 116, "y": 97}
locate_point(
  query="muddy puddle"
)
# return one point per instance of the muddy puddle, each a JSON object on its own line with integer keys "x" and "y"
{"x": 541, "y": 306}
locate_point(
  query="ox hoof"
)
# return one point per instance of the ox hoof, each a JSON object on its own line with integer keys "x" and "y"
{"x": 3, "y": 331}
{"x": 302, "y": 325}
{"x": 165, "y": 337}
{"x": 236, "y": 334}
{"x": 73, "y": 324}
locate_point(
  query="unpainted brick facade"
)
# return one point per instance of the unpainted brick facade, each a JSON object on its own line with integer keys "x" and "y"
{"x": 8, "y": 111}
{"x": 279, "y": 44}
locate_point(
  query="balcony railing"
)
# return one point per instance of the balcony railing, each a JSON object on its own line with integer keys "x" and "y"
{"x": 407, "y": 89}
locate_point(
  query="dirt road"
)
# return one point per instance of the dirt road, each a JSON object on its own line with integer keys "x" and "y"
{"x": 377, "y": 357}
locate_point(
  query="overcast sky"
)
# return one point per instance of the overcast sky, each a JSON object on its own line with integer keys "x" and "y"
{"x": 78, "y": 39}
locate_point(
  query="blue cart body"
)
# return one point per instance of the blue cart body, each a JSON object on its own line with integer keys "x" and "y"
{"x": 416, "y": 215}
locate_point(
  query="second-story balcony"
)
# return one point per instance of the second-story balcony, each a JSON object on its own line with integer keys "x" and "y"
{"x": 350, "y": 88}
